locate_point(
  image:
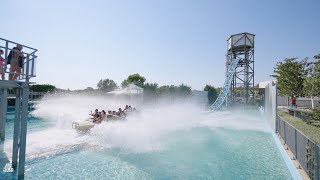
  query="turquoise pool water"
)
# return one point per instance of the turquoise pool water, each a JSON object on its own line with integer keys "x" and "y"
{"x": 197, "y": 153}
{"x": 152, "y": 146}
{"x": 191, "y": 155}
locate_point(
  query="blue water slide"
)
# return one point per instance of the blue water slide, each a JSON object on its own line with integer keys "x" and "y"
{"x": 227, "y": 84}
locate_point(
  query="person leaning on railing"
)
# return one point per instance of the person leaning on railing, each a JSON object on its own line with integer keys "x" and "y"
{"x": 15, "y": 59}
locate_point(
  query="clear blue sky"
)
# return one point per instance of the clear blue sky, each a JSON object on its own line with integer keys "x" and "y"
{"x": 167, "y": 41}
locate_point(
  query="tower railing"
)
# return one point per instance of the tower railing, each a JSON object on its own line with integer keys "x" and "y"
{"x": 28, "y": 69}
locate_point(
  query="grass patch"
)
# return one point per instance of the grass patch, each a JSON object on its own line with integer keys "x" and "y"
{"x": 309, "y": 130}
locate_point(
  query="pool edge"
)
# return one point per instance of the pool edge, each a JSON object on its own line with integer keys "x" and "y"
{"x": 293, "y": 170}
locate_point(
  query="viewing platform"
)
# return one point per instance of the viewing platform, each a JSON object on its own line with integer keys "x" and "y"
{"x": 19, "y": 63}
{"x": 17, "y": 67}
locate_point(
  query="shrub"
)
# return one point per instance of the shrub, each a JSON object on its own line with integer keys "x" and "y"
{"x": 315, "y": 115}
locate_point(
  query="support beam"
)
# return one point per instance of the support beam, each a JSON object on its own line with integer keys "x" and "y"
{"x": 23, "y": 134}
{"x": 3, "y": 112}
{"x": 16, "y": 135}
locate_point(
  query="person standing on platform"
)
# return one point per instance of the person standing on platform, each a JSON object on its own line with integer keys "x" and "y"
{"x": 15, "y": 59}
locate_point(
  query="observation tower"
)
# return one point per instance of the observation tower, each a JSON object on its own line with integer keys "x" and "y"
{"x": 241, "y": 48}
{"x": 238, "y": 87}
{"x": 16, "y": 79}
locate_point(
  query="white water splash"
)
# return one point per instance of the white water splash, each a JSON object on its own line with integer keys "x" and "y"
{"x": 137, "y": 134}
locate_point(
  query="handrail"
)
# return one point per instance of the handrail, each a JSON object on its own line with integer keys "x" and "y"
{"x": 28, "y": 64}
{"x": 299, "y": 131}
{"x": 32, "y": 53}
{"x": 35, "y": 50}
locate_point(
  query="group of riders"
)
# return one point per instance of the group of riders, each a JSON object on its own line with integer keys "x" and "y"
{"x": 99, "y": 116}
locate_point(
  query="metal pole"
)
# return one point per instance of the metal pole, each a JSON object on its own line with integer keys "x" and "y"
{"x": 27, "y": 70}
{"x": 2, "y": 120}
{"x": 6, "y": 56}
{"x": 317, "y": 160}
{"x": 2, "y": 114}
{"x": 284, "y": 132}
{"x": 17, "y": 121}
{"x": 295, "y": 143}
{"x": 23, "y": 136}
{"x": 246, "y": 69}
{"x": 277, "y": 125}
{"x": 32, "y": 65}
{"x": 276, "y": 100}
{"x": 234, "y": 93}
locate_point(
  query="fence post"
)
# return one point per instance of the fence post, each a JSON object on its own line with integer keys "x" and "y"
{"x": 284, "y": 132}
{"x": 277, "y": 124}
{"x": 317, "y": 161}
{"x": 295, "y": 144}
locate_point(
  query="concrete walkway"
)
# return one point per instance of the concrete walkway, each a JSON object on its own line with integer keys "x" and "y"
{"x": 295, "y": 162}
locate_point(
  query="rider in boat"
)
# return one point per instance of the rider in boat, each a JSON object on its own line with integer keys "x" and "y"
{"x": 94, "y": 114}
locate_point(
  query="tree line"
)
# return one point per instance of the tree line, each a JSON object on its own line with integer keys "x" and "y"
{"x": 151, "y": 91}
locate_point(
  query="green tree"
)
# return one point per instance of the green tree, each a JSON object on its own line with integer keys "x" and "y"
{"x": 106, "y": 85}
{"x": 42, "y": 88}
{"x": 89, "y": 89}
{"x": 312, "y": 81}
{"x": 183, "y": 91}
{"x": 150, "y": 88}
{"x": 218, "y": 89}
{"x": 136, "y": 79}
{"x": 212, "y": 93}
{"x": 315, "y": 114}
{"x": 172, "y": 91}
{"x": 290, "y": 75}
{"x": 149, "y": 91}
{"x": 166, "y": 90}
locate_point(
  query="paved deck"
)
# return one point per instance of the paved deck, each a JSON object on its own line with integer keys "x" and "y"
{"x": 295, "y": 162}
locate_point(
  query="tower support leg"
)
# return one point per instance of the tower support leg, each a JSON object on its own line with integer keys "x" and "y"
{"x": 23, "y": 133}
{"x": 17, "y": 123}
{"x": 3, "y": 112}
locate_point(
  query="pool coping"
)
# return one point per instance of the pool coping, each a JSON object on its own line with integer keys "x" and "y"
{"x": 290, "y": 165}
{"x": 293, "y": 170}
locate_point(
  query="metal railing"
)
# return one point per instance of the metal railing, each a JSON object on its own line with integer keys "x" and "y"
{"x": 304, "y": 149}
{"x": 28, "y": 69}
{"x": 299, "y": 113}
{"x": 34, "y": 98}
{"x": 32, "y": 95}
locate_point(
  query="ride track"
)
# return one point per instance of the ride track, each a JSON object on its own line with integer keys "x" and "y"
{"x": 225, "y": 89}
